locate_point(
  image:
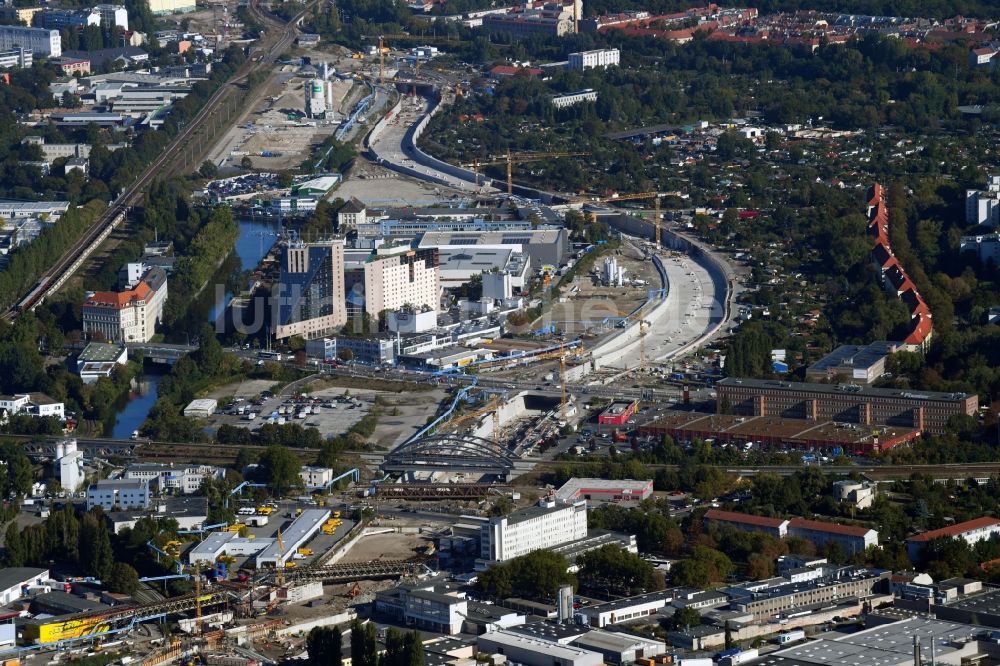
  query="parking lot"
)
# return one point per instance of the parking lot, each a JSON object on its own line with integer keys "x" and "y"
{"x": 331, "y": 411}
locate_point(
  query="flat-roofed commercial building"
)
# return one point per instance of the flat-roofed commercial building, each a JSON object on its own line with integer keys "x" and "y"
{"x": 778, "y": 431}
{"x": 853, "y": 364}
{"x": 297, "y": 534}
{"x": 927, "y": 411}
{"x": 531, "y": 529}
{"x": 605, "y": 490}
{"x": 530, "y": 651}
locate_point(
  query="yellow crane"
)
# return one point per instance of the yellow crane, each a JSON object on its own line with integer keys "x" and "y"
{"x": 492, "y": 406}
{"x": 510, "y": 159}
{"x": 279, "y": 578}
{"x": 643, "y": 325}
{"x": 562, "y": 381}
{"x": 655, "y": 196}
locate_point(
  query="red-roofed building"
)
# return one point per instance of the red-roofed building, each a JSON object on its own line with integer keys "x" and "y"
{"x": 850, "y": 539}
{"x": 972, "y": 531}
{"x": 130, "y": 315}
{"x": 776, "y": 527}
{"x": 510, "y": 70}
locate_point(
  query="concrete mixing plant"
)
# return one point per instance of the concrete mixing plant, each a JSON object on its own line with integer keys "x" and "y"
{"x": 315, "y": 96}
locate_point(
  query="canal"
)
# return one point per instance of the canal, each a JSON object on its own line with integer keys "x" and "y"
{"x": 256, "y": 238}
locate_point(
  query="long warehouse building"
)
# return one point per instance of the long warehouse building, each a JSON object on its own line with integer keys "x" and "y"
{"x": 297, "y": 534}
{"x": 926, "y": 411}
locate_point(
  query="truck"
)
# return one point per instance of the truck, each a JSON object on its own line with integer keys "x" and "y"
{"x": 791, "y": 636}
{"x": 258, "y": 521}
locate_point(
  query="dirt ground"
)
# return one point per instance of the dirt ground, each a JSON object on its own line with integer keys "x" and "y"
{"x": 390, "y": 546}
{"x": 249, "y": 388}
{"x": 379, "y": 186}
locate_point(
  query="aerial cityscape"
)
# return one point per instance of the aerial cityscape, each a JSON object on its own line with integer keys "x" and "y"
{"x": 465, "y": 332}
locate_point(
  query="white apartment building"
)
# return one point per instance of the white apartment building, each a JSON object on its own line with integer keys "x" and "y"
{"x": 118, "y": 495}
{"x": 169, "y": 478}
{"x": 16, "y": 58}
{"x": 578, "y": 97}
{"x": 394, "y": 277}
{"x": 161, "y": 7}
{"x": 531, "y": 529}
{"x": 983, "y": 206}
{"x": 602, "y": 58}
{"x": 113, "y": 15}
{"x": 131, "y": 315}
{"x": 41, "y": 42}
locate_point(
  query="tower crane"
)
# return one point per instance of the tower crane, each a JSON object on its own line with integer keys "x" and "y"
{"x": 516, "y": 158}
{"x": 492, "y": 406}
{"x": 655, "y": 196}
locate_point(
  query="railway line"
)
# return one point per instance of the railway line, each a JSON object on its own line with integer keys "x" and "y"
{"x": 262, "y": 56}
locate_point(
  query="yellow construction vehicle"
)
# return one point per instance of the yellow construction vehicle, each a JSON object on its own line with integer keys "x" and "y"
{"x": 265, "y": 510}
{"x": 235, "y": 527}
{"x": 357, "y": 56}
{"x": 336, "y": 514}
{"x": 290, "y": 565}
{"x": 305, "y": 552}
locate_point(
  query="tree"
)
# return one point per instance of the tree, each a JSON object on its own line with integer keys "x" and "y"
{"x": 325, "y": 645}
{"x": 537, "y": 575}
{"x": 208, "y": 169}
{"x": 280, "y": 468}
{"x": 14, "y": 555}
{"x": 685, "y": 617}
{"x": 124, "y": 578}
{"x": 612, "y": 570}
{"x": 246, "y": 163}
{"x": 95, "y": 544}
{"x": 364, "y": 644}
{"x": 345, "y": 355}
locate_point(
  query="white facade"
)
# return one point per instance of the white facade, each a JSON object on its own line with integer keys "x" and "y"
{"x": 41, "y": 42}
{"x": 983, "y": 206}
{"x": 315, "y": 96}
{"x": 412, "y": 322}
{"x": 183, "y": 480}
{"x": 315, "y": 477}
{"x": 579, "y": 97}
{"x": 971, "y": 531}
{"x": 859, "y": 493}
{"x": 531, "y": 651}
{"x": 400, "y": 276}
{"x": 31, "y": 404}
{"x": 14, "y": 580}
{"x": 582, "y": 60}
{"x": 68, "y": 466}
{"x": 535, "y": 528}
{"x": 15, "y": 58}
{"x": 113, "y": 15}
{"x": 113, "y": 495}
{"x": 130, "y": 315}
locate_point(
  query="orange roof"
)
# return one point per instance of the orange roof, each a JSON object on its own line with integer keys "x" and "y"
{"x": 743, "y": 518}
{"x": 833, "y": 528}
{"x": 119, "y": 299}
{"x": 956, "y": 529}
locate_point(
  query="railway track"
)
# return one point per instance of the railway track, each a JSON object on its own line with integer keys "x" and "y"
{"x": 263, "y": 56}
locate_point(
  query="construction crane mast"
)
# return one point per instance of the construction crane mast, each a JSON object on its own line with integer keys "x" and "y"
{"x": 562, "y": 382}
{"x": 381, "y": 59}
{"x": 516, "y": 158}
{"x": 655, "y": 196}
